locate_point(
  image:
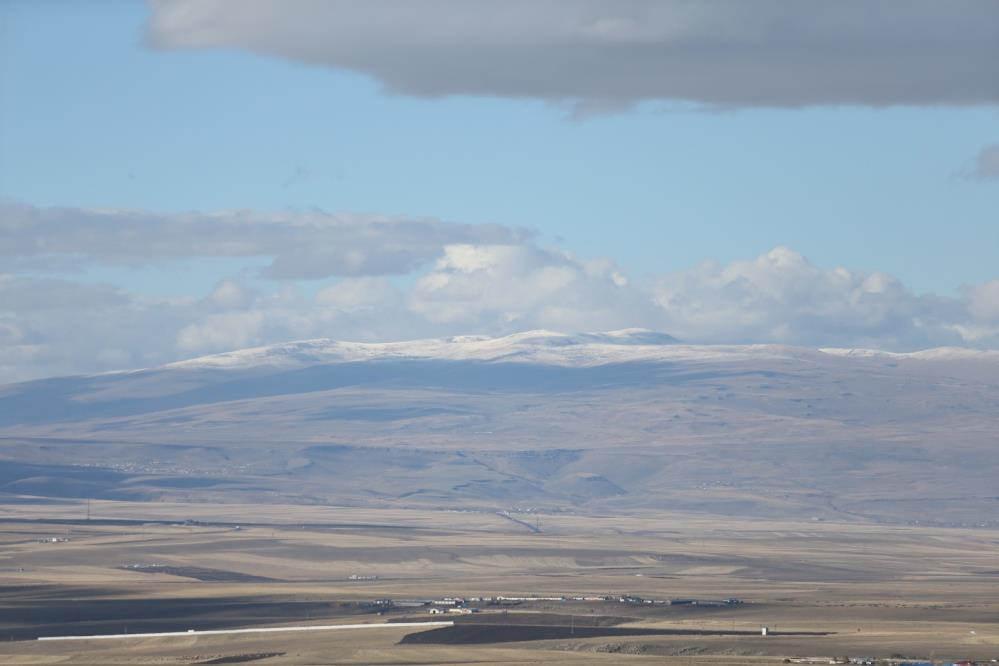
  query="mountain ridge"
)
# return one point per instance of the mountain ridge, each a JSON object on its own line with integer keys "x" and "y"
{"x": 491, "y": 423}
{"x": 538, "y": 346}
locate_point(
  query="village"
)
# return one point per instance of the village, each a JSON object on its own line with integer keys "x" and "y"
{"x": 474, "y": 604}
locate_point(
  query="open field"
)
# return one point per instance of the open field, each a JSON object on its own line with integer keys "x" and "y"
{"x": 872, "y": 590}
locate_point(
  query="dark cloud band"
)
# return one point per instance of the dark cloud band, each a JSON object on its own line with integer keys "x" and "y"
{"x": 301, "y": 245}
{"x": 609, "y": 53}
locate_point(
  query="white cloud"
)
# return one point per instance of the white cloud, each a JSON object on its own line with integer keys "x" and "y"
{"x": 610, "y": 53}
{"x": 782, "y": 297}
{"x": 501, "y": 288}
{"x": 55, "y": 326}
{"x": 222, "y": 332}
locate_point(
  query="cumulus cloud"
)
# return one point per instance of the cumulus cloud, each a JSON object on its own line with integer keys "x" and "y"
{"x": 782, "y": 297}
{"x": 52, "y": 325}
{"x": 229, "y": 330}
{"x": 609, "y": 53}
{"x": 503, "y": 288}
{"x": 300, "y": 245}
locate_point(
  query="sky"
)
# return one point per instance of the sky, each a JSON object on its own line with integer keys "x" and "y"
{"x": 187, "y": 177}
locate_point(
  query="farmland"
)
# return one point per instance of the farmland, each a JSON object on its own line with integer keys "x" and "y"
{"x": 823, "y": 588}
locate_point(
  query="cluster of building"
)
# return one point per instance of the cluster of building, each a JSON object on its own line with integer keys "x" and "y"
{"x": 464, "y": 605}
{"x": 453, "y": 610}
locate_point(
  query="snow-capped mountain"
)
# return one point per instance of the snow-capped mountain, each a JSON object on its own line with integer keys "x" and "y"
{"x": 538, "y": 346}
{"x": 623, "y": 420}
{"x": 542, "y": 347}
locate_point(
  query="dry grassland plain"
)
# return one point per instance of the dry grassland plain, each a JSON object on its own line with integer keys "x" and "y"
{"x": 136, "y": 567}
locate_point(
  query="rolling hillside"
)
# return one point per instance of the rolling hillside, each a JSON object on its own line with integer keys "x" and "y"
{"x": 622, "y": 421}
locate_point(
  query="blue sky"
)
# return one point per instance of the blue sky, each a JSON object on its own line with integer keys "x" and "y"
{"x": 92, "y": 117}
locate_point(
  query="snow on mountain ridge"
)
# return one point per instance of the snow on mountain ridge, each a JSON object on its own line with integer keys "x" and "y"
{"x": 934, "y": 354}
{"x": 539, "y": 346}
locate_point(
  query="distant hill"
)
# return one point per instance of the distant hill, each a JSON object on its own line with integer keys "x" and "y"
{"x": 624, "y": 421}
